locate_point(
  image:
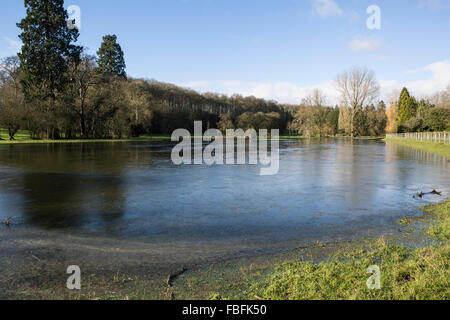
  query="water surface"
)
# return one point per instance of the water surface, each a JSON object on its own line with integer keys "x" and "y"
{"x": 112, "y": 194}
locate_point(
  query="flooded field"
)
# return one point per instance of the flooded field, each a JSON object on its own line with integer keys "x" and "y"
{"x": 125, "y": 207}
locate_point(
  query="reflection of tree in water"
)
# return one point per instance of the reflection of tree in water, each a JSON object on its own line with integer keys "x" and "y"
{"x": 413, "y": 166}
{"x": 356, "y": 172}
{"x": 111, "y": 204}
{"x": 52, "y": 200}
{"x": 70, "y": 186}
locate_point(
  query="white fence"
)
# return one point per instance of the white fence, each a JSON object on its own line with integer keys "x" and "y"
{"x": 441, "y": 137}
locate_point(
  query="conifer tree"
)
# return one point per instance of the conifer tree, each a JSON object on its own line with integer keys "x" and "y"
{"x": 110, "y": 57}
{"x": 47, "y": 49}
{"x": 407, "y": 107}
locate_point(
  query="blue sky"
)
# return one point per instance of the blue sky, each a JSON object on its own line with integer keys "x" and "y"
{"x": 279, "y": 49}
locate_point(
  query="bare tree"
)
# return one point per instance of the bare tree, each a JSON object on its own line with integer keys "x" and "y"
{"x": 11, "y": 97}
{"x": 83, "y": 77}
{"x": 445, "y": 98}
{"x": 315, "y": 99}
{"x": 10, "y": 72}
{"x": 358, "y": 87}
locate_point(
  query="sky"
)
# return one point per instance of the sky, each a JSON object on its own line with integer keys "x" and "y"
{"x": 273, "y": 49}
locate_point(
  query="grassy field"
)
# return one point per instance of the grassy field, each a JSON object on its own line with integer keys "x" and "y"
{"x": 439, "y": 148}
{"x": 20, "y": 136}
{"x": 405, "y": 273}
{"x": 23, "y": 137}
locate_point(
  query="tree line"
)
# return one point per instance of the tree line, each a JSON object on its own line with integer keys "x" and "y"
{"x": 412, "y": 115}
{"x": 56, "y": 91}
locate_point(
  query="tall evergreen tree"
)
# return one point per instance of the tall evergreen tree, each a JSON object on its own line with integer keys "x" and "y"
{"x": 47, "y": 48}
{"x": 407, "y": 107}
{"x": 110, "y": 57}
{"x": 402, "y": 102}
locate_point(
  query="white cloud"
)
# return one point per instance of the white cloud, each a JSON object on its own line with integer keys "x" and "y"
{"x": 327, "y": 8}
{"x": 434, "y": 77}
{"x": 282, "y": 92}
{"x": 196, "y": 84}
{"x": 368, "y": 45}
{"x": 13, "y": 47}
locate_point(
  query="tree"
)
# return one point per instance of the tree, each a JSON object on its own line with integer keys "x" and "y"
{"x": 407, "y": 107}
{"x": 10, "y": 72}
{"x": 361, "y": 124}
{"x": 315, "y": 118}
{"x": 438, "y": 119}
{"x": 344, "y": 124}
{"x": 305, "y": 121}
{"x": 442, "y": 99}
{"x": 392, "y": 118}
{"x": 110, "y": 57}
{"x": 226, "y": 122}
{"x": 445, "y": 98}
{"x": 83, "y": 78}
{"x": 46, "y": 54}
{"x": 381, "y": 119}
{"x": 358, "y": 87}
{"x": 315, "y": 121}
{"x": 138, "y": 103}
{"x": 47, "y": 48}
{"x": 334, "y": 120}
{"x": 11, "y": 110}
{"x": 315, "y": 99}
{"x": 11, "y": 98}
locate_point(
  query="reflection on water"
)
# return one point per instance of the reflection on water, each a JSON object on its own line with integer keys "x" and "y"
{"x": 332, "y": 188}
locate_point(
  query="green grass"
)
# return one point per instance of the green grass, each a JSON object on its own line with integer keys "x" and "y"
{"x": 440, "y": 226}
{"x": 23, "y": 137}
{"x": 406, "y": 274}
{"x": 434, "y": 147}
{"x": 20, "y": 136}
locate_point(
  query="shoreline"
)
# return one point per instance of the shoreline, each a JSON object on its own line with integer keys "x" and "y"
{"x": 340, "y": 265}
{"x": 338, "y": 270}
{"x": 442, "y": 149}
{"x": 76, "y": 141}
{"x": 157, "y": 138}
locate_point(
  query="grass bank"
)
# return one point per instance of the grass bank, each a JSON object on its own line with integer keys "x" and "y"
{"x": 23, "y": 137}
{"x": 439, "y": 148}
{"x": 405, "y": 273}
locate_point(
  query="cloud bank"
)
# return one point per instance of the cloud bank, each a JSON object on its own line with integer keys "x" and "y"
{"x": 433, "y": 77}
